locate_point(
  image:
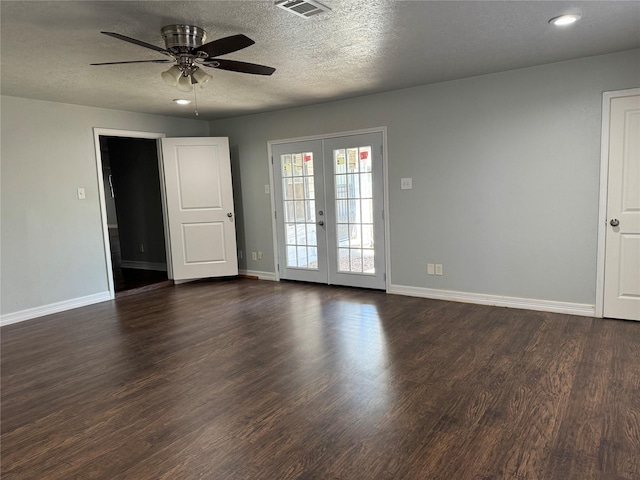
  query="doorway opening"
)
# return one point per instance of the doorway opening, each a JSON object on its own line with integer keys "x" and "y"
{"x": 134, "y": 212}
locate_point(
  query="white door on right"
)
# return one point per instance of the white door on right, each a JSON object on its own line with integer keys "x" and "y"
{"x": 622, "y": 240}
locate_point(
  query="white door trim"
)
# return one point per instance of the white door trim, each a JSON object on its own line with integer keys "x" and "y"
{"x": 604, "y": 187}
{"x": 385, "y": 183}
{"x": 97, "y": 132}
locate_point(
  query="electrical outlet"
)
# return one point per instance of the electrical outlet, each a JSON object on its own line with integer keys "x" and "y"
{"x": 438, "y": 269}
{"x": 142, "y": 248}
{"x": 430, "y": 269}
{"x": 254, "y": 256}
{"x": 259, "y": 255}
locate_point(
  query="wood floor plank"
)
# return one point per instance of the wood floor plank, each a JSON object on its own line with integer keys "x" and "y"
{"x": 245, "y": 379}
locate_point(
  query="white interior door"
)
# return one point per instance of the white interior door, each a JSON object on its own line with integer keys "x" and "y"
{"x": 199, "y": 207}
{"x": 329, "y": 196}
{"x": 622, "y": 240}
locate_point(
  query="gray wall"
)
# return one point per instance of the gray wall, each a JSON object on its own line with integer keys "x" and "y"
{"x": 51, "y": 242}
{"x": 505, "y": 172}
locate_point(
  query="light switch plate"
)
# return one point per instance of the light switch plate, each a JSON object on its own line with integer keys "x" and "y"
{"x": 81, "y": 194}
{"x": 267, "y": 190}
{"x": 430, "y": 269}
{"x": 406, "y": 183}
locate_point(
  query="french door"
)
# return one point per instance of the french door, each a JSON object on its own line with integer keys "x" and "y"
{"x": 329, "y": 210}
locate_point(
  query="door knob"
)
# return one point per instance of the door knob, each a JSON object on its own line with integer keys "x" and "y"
{"x": 321, "y": 223}
{"x": 614, "y": 222}
{"x": 229, "y": 214}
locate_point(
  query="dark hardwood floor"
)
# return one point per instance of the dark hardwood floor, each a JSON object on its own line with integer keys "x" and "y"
{"x": 247, "y": 379}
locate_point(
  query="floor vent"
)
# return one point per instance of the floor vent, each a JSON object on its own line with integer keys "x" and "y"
{"x": 302, "y": 8}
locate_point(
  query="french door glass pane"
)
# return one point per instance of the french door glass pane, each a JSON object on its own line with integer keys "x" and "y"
{"x": 343, "y": 235}
{"x": 368, "y": 257}
{"x": 312, "y": 253}
{"x": 311, "y": 234}
{"x": 301, "y": 236}
{"x": 353, "y": 182}
{"x": 309, "y": 186}
{"x": 302, "y": 257}
{"x": 354, "y": 211}
{"x": 286, "y": 166}
{"x": 310, "y": 211}
{"x": 367, "y": 236}
{"x": 291, "y": 233}
{"x": 356, "y": 259}
{"x": 289, "y": 212}
{"x": 340, "y": 161}
{"x": 298, "y": 194}
{"x": 367, "y": 211}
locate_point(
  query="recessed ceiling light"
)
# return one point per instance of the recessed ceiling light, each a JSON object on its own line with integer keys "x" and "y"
{"x": 182, "y": 101}
{"x": 564, "y": 20}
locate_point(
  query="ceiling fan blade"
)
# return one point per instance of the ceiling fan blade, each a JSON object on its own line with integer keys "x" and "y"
{"x": 137, "y": 42}
{"x": 242, "y": 67}
{"x": 226, "y": 45}
{"x": 134, "y": 61}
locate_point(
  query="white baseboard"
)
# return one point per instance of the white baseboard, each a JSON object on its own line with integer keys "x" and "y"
{"x": 57, "y": 307}
{"x": 261, "y": 275}
{"x": 158, "y": 267}
{"x": 582, "y": 309}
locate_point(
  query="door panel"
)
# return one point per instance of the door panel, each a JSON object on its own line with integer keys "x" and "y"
{"x": 329, "y": 201}
{"x": 197, "y": 167}
{"x": 299, "y": 198}
{"x": 199, "y": 200}
{"x": 354, "y": 206}
{"x": 622, "y": 242}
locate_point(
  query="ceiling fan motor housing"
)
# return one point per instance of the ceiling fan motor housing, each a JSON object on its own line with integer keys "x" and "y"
{"x": 183, "y": 38}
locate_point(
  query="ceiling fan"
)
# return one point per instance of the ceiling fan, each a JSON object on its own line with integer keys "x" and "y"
{"x": 185, "y": 45}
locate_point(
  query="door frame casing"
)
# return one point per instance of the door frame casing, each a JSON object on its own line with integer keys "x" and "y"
{"x": 385, "y": 184}
{"x": 97, "y": 133}
{"x": 604, "y": 190}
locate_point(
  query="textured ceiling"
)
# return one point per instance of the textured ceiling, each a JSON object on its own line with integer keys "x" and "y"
{"x": 360, "y": 47}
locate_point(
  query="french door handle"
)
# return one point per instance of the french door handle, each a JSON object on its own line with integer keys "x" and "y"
{"x": 321, "y": 223}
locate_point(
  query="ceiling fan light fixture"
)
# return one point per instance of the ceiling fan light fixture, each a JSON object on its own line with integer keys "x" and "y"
{"x": 184, "y": 84}
{"x": 172, "y": 76}
{"x": 565, "y": 20}
{"x": 201, "y": 76}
